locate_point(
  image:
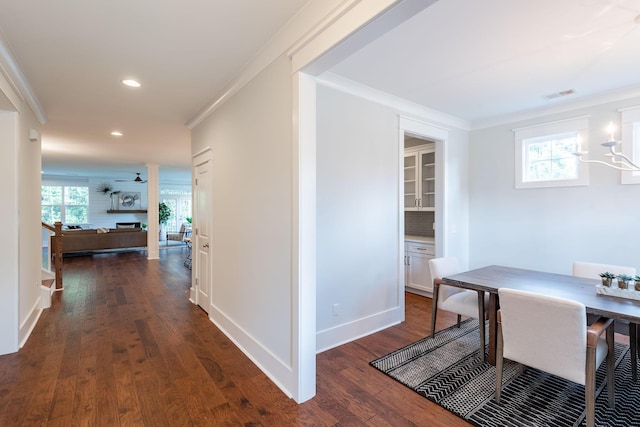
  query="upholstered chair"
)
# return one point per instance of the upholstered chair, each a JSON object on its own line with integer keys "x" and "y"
{"x": 463, "y": 302}
{"x": 551, "y": 334}
{"x": 592, "y": 270}
{"x": 180, "y": 235}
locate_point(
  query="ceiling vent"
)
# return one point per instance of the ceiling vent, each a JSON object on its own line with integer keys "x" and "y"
{"x": 560, "y": 94}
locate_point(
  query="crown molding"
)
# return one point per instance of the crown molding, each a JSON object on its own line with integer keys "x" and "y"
{"x": 586, "y": 102}
{"x": 292, "y": 34}
{"x": 16, "y": 78}
{"x": 401, "y": 105}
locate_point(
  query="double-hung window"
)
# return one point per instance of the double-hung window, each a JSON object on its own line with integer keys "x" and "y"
{"x": 545, "y": 154}
{"x": 67, "y": 204}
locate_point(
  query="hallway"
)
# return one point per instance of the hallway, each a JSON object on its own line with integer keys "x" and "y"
{"x": 123, "y": 346}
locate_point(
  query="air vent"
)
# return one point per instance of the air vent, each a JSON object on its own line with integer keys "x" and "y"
{"x": 559, "y": 94}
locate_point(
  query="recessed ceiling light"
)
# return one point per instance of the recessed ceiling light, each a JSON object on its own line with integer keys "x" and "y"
{"x": 131, "y": 83}
{"x": 116, "y": 133}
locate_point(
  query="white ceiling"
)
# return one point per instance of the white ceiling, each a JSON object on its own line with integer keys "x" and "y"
{"x": 74, "y": 53}
{"x": 480, "y": 60}
{"x": 476, "y": 60}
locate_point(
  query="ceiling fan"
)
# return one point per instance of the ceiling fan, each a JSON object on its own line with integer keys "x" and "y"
{"x": 137, "y": 179}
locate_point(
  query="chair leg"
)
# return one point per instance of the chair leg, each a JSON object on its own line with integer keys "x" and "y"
{"x": 434, "y": 308}
{"x": 633, "y": 343}
{"x": 590, "y": 387}
{"x": 459, "y": 318}
{"x": 611, "y": 366}
{"x": 499, "y": 365}
{"x": 481, "y": 323}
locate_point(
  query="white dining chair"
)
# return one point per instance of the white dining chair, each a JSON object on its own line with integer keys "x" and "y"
{"x": 463, "y": 302}
{"x": 592, "y": 270}
{"x": 551, "y": 334}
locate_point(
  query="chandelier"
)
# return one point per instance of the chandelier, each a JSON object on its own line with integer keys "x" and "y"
{"x": 617, "y": 159}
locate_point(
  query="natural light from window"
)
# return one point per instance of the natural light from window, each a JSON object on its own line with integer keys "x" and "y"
{"x": 551, "y": 157}
{"x": 544, "y": 154}
{"x": 67, "y": 204}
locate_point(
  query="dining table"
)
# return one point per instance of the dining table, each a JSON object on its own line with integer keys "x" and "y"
{"x": 491, "y": 278}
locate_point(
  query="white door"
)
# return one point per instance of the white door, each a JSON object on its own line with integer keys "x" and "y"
{"x": 201, "y": 250}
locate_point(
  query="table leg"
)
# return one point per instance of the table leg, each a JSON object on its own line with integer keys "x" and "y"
{"x": 493, "y": 327}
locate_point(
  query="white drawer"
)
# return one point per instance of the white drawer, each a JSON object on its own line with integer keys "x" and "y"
{"x": 421, "y": 248}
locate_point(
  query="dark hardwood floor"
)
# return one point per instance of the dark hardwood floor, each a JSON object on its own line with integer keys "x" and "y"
{"x": 123, "y": 346}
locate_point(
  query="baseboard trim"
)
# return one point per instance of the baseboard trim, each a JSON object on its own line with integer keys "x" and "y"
{"x": 26, "y": 328}
{"x": 278, "y": 371}
{"x": 351, "y": 331}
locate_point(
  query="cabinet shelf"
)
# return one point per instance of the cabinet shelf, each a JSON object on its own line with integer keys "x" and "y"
{"x": 127, "y": 211}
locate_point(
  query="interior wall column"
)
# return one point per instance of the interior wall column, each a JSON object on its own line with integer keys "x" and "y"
{"x": 153, "y": 200}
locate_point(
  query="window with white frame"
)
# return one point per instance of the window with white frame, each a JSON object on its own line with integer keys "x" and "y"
{"x": 631, "y": 141}
{"x": 67, "y": 204}
{"x": 545, "y": 154}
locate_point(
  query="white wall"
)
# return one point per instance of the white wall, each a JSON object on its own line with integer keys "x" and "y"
{"x": 29, "y": 229}
{"x": 251, "y": 140}
{"x": 549, "y": 229}
{"x": 20, "y": 254}
{"x": 357, "y": 218}
{"x": 10, "y": 285}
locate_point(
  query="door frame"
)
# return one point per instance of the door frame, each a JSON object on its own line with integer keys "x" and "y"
{"x": 439, "y": 134}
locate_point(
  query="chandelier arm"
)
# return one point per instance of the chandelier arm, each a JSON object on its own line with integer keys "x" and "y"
{"x": 628, "y": 169}
{"x": 624, "y": 158}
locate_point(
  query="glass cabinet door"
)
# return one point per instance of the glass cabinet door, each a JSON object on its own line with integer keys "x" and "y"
{"x": 428, "y": 179}
{"x": 411, "y": 182}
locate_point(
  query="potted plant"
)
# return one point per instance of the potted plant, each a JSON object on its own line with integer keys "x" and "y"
{"x": 623, "y": 281}
{"x": 607, "y": 278}
{"x": 144, "y": 225}
{"x": 164, "y": 212}
{"x": 637, "y": 283}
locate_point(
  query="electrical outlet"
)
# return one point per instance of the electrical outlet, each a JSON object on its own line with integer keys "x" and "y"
{"x": 336, "y": 309}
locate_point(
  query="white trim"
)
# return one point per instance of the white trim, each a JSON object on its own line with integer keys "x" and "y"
{"x": 351, "y": 331}
{"x": 401, "y": 105}
{"x": 29, "y": 323}
{"x": 440, "y": 135}
{"x": 578, "y": 125}
{"x": 303, "y": 232}
{"x": 295, "y": 30}
{"x": 274, "y": 368}
{"x": 550, "y": 110}
{"x": 555, "y": 122}
{"x": 18, "y": 81}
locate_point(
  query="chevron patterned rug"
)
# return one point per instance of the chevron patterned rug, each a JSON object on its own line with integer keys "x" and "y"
{"x": 448, "y": 371}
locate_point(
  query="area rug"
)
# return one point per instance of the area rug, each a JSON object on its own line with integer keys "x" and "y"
{"x": 447, "y": 370}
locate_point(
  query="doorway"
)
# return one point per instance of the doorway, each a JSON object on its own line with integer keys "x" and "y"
{"x": 421, "y": 210}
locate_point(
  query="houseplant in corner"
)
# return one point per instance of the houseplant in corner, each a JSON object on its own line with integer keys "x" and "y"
{"x": 164, "y": 212}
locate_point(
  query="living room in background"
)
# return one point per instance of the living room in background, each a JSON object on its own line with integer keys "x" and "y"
{"x": 179, "y": 202}
{"x": 68, "y": 204}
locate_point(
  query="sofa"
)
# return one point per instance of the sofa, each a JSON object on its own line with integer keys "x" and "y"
{"x": 80, "y": 240}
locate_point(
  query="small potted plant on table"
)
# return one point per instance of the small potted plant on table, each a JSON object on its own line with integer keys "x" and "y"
{"x": 607, "y": 278}
{"x": 623, "y": 281}
{"x": 637, "y": 283}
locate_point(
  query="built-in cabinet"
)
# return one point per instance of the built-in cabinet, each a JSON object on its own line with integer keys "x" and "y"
{"x": 416, "y": 260}
{"x": 420, "y": 179}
